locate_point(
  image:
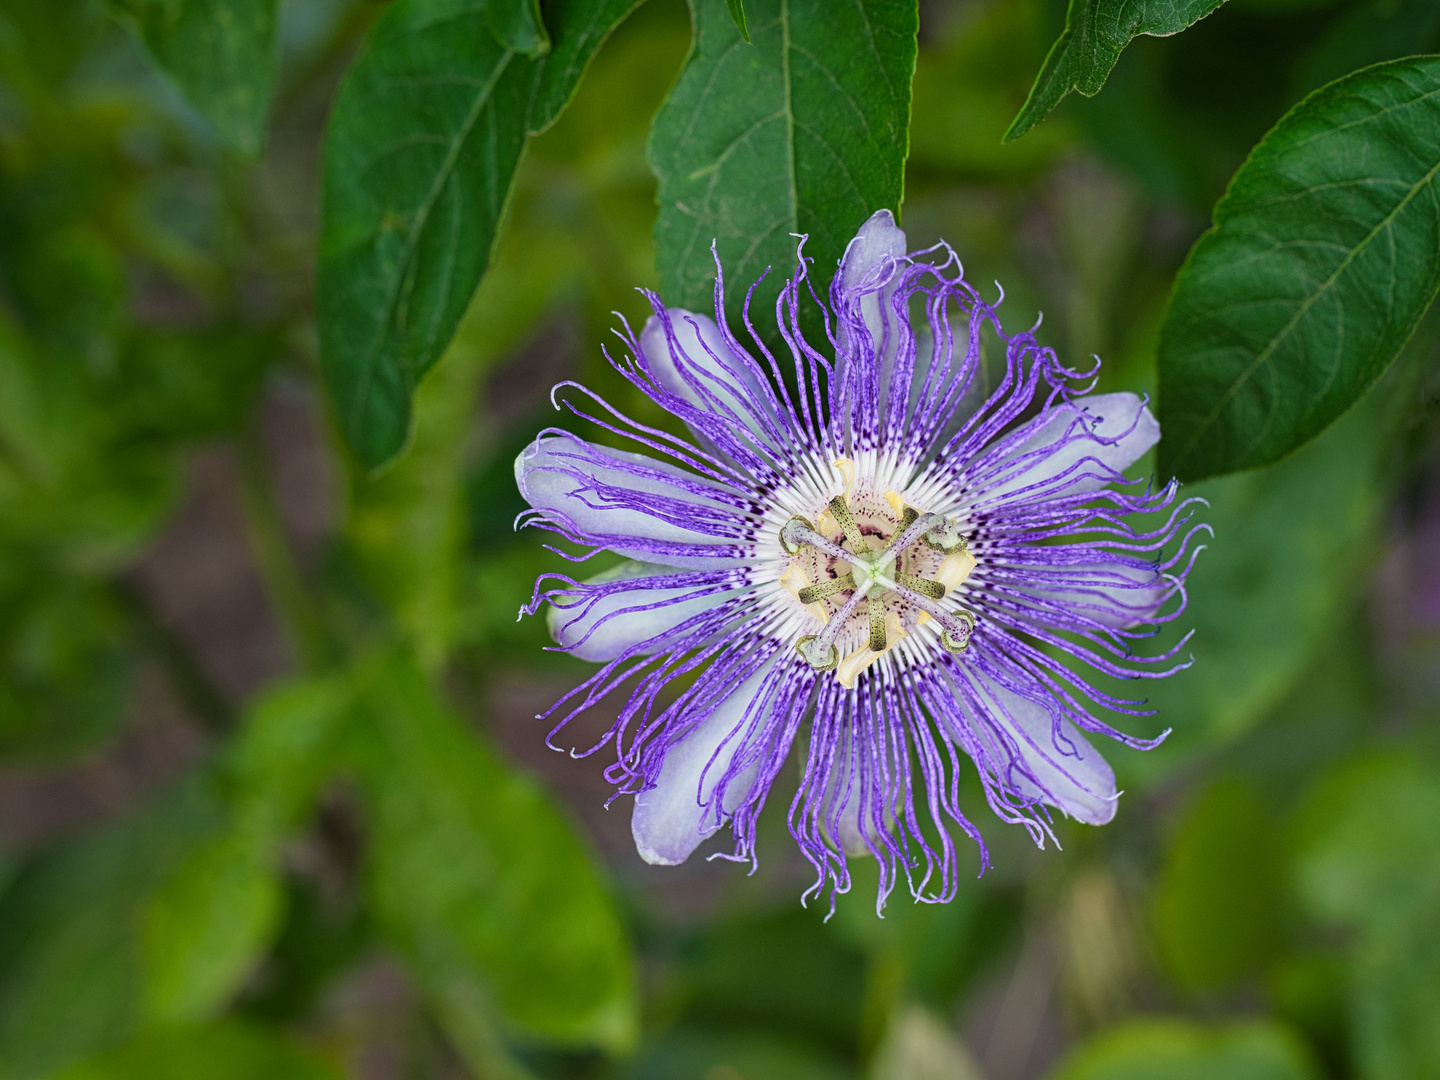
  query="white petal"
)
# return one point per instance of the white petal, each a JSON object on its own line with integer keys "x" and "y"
{"x": 1068, "y": 773}
{"x": 1120, "y": 431}
{"x": 873, "y": 255}
{"x": 676, "y": 814}
{"x": 878, "y": 239}
{"x": 546, "y": 473}
{"x": 701, "y": 361}
{"x": 608, "y": 626}
{"x": 1100, "y": 592}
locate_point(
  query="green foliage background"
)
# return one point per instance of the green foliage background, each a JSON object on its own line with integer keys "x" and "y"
{"x": 283, "y": 287}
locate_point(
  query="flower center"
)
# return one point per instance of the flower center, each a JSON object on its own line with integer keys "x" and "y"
{"x": 868, "y": 568}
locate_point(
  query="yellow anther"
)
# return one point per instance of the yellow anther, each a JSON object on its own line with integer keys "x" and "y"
{"x": 896, "y": 502}
{"x": 955, "y": 569}
{"x": 850, "y": 668}
{"x": 794, "y": 580}
{"x": 826, "y": 524}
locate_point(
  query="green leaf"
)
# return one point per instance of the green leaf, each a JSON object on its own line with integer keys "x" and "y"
{"x": 69, "y": 981}
{"x": 479, "y": 881}
{"x": 420, "y": 157}
{"x": 1366, "y": 845}
{"x": 1324, "y": 255}
{"x": 1288, "y": 557}
{"x": 1179, "y": 1050}
{"x": 1217, "y": 914}
{"x": 228, "y": 1051}
{"x": 1096, "y": 32}
{"x": 1369, "y": 859}
{"x": 737, "y": 12}
{"x": 209, "y": 923}
{"x": 221, "y": 53}
{"x": 518, "y": 25}
{"x": 1396, "y": 994}
{"x": 407, "y": 525}
{"x": 690, "y": 1052}
{"x": 806, "y": 132}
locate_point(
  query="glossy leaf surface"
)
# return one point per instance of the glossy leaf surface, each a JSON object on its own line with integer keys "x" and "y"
{"x": 1324, "y": 255}
{"x": 1096, "y": 32}
{"x": 419, "y": 161}
{"x": 479, "y": 880}
{"x": 803, "y": 131}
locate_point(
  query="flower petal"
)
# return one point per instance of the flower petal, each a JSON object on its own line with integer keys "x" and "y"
{"x": 601, "y": 627}
{"x": 698, "y": 366}
{"x": 676, "y": 814}
{"x": 632, "y": 504}
{"x": 1059, "y": 768}
{"x": 878, "y": 243}
{"x": 1097, "y": 437}
{"x": 1114, "y": 594}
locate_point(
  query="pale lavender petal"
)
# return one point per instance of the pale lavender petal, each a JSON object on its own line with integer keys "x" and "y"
{"x": 601, "y": 627}
{"x": 1074, "y": 449}
{"x": 673, "y": 817}
{"x": 633, "y": 504}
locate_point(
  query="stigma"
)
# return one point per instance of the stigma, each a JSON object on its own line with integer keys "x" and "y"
{"x": 874, "y": 569}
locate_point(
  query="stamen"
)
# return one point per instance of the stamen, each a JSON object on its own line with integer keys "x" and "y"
{"x": 877, "y": 621}
{"x": 812, "y": 593}
{"x": 924, "y": 586}
{"x": 912, "y": 530}
{"x": 840, "y": 511}
{"x": 851, "y": 667}
{"x": 956, "y": 568}
{"x": 793, "y": 580}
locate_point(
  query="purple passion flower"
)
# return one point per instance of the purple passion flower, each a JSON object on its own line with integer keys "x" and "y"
{"x": 875, "y": 560}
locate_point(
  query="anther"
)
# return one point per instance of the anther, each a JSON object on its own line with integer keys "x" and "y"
{"x": 877, "y": 623}
{"x": 811, "y": 593}
{"x": 840, "y": 511}
{"x": 924, "y": 586}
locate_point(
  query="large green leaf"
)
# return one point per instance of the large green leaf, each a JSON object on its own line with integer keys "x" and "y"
{"x": 518, "y": 25}
{"x": 419, "y": 162}
{"x": 479, "y": 881}
{"x": 69, "y": 977}
{"x": 223, "y": 1052}
{"x": 1217, "y": 905}
{"x": 1179, "y": 1050}
{"x": 1096, "y": 32}
{"x": 209, "y": 923}
{"x": 802, "y": 131}
{"x": 407, "y": 525}
{"x": 1324, "y": 255}
{"x": 1369, "y": 860}
{"x": 221, "y": 53}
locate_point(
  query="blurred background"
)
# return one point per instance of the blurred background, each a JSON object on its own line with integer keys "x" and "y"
{"x": 186, "y": 554}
